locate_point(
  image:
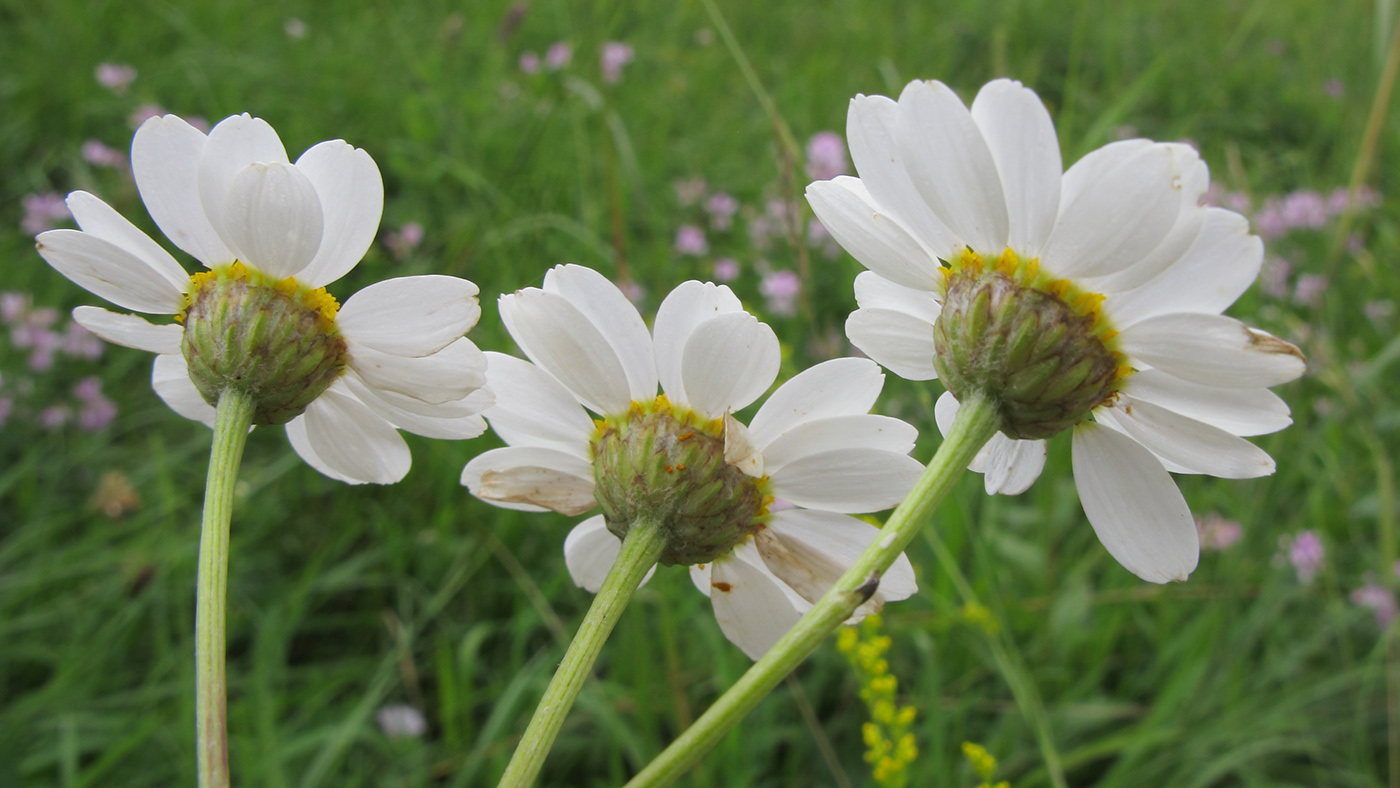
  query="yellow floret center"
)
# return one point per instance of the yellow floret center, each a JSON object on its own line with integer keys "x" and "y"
{"x": 313, "y": 299}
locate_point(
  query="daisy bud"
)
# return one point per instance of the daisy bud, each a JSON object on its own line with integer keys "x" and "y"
{"x": 273, "y": 340}
{"x": 1038, "y": 348}
{"x": 666, "y": 465}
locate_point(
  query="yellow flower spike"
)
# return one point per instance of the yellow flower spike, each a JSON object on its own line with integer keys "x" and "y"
{"x": 889, "y": 745}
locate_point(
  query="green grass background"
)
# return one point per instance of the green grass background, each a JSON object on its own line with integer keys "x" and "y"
{"x": 343, "y": 599}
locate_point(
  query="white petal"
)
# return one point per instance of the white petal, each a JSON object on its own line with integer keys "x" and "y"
{"x": 1117, "y": 205}
{"x": 590, "y": 550}
{"x": 165, "y": 157}
{"x": 871, "y": 133}
{"x": 1023, "y": 144}
{"x": 872, "y": 237}
{"x": 1012, "y": 466}
{"x": 849, "y": 480}
{"x": 354, "y": 442}
{"x": 410, "y": 315}
{"x": 865, "y": 431}
{"x": 739, "y": 449}
{"x": 234, "y": 143}
{"x": 272, "y": 218}
{"x": 1212, "y": 350}
{"x": 301, "y": 444}
{"x": 1134, "y": 506}
{"x": 684, "y": 308}
{"x": 876, "y": 292}
{"x": 170, "y": 377}
{"x": 447, "y": 375}
{"x": 109, "y": 272}
{"x": 615, "y": 318}
{"x": 1194, "y": 179}
{"x": 1219, "y": 266}
{"x": 1189, "y": 443}
{"x": 99, "y": 220}
{"x": 728, "y": 362}
{"x": 130, "y": 330}
{"x": 898, "y": 341}
{"x": 1237, "y": 411}
{"x": 753, "y": 607}
{"x": 533, "y": 409}
{"x": 351, "y": 193}
{"x": 809, "y": 551}
{"x": 700, "y": 577}
{"x": 840, "y": 387}
{"x": 449, "y": 421}
{"x": 561, "y": 340}
{"x": 531, "y": 478}
{"x": 951, "y": 166}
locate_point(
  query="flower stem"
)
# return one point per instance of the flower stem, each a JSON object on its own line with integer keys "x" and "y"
{"x": 977, "y": 422}
{"x": 643, "y": 545}
{"x": 232, "y": 418}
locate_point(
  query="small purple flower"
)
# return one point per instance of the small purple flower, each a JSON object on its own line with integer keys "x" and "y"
{"x": 401, "y": 721}
{"x": 78, "y": 342}
{"x": 1379, "y": 599}
{"x": 295, "y": 29}
{"x": 726, "y": 269}
{"x": 691, "y": 240}
{"x": 1334, "y": 87}
{"x": 144, "y": 113}
{"x": 97, "y": 411}
{"x": 826, "y": 156}
{"x": 403, "y": 241}
{"x": 690, "y": 190}
{"x": 558, "y": 55}
{"x": 1217, "y": 533}
{"x": 54, "y": 417}
{"x": 13, "y": 307}
{"x": 1309, "y": 289}
{"x": 42, "y": 212}
{"x": 99, "y": 155}
{"x": 615, "y": 55}
{"x": 529, "y": 62}
{"x": 1269, "y": 221}
{"x": 1305, "y": 209}
{"x": 1306, "y": 553}
{"x": 1365, "y": 197}
{"x": 780, "y": 290}
{"x": 116, "y": 77}
{"x": 1238, "y": 202}
{"x": 721, "y": 207}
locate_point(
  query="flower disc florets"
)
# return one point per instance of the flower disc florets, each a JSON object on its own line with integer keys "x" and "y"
{"x": 662, "y": 463}
{"x": 275, "y": 340}
{"x": 1040, "y": 348}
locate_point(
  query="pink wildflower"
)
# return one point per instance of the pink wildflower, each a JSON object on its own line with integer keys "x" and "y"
{"x": 1217, "y": 533}
{"x": 81, "y": 343}
{"x": 403, "y": 241}
{"x": 529, "y": 62}
{"x": 558, "y": 55}
{"x": 42, "y": 212}
{"x": 1305, "y": 209}
{"x": 1309, "y": 289}
{"x": 826, "y": 156}
{"x": 780, "y": 290}
{"x": 691, "y": 240}
{"x": 13, "y": 306}
{"x": 615, "y": 55}
{"x": 54, "y": 417}
{"x": 726, "y": 269}
{"x": 99, "y": 155}
{"x": 1306, "y": 554}
{"x": 1379, "y": 599}
{"x": 116, "y": 77}
{"x": 721, "y": 207}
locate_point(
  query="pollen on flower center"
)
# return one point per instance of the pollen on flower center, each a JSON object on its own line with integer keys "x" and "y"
{"x": 1040, "y": 347}
{"x": 273, "y": 339}
{"x": 665, "y": 464}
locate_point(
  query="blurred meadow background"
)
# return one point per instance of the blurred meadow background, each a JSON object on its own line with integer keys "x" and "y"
{"x": 400, "y": 636}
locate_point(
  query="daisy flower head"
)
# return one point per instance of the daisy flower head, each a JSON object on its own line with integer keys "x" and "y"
{"x": 1088, "y": 299}
{"x": 681, "y": 460}
{"x": 271, "y": 235}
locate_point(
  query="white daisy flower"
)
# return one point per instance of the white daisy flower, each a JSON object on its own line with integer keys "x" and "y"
{"x": 683, "y": 457}
{"x": 273, "y": 235}
{"x": 963, "y": 216}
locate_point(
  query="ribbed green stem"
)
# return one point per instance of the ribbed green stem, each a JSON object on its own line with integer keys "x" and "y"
{"x": 643, "y": 545}
{"x": 233, "y": 416}
{"x": 977, "y": 422}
